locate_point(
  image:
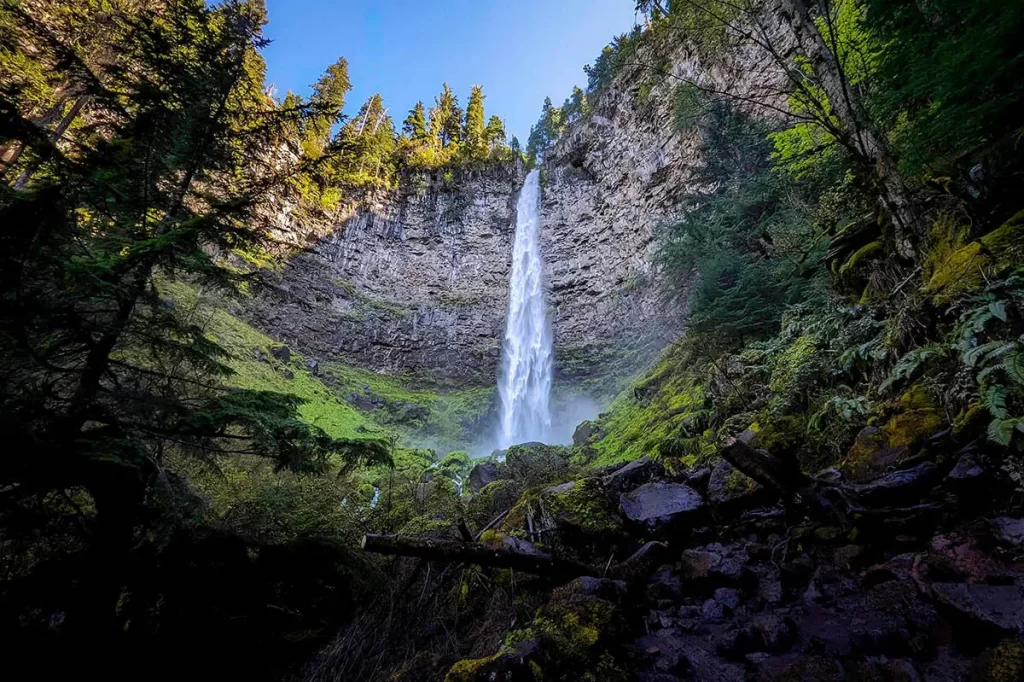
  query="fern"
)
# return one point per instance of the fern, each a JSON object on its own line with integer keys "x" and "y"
{"x": 907, "y": 367}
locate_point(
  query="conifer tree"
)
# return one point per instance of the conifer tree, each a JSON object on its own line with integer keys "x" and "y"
{"x": 475, "y": 129}
{"x": 495, "y": 133}
{"x": 368, "y": 145}
{"x": 326, "y": 103}
{"x": 415, "y": 124}
{"x": 445, "y": 118}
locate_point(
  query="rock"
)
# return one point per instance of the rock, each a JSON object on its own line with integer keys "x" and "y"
{"x": 769, "y": 585}
{"x": 797, "y": 667}
{"x": 587, "y": 432}
{"x": 671, "y": 651}
{"x": 998, "y": 606}
{"x": 1001, "y": 663}
{"x": 1008, "y": 531}
{"x": 715, "y": 562}
{"x": 713, "y": 610}
{"x": 728, "y": 597}
{"x": 314, "y": 367}
{"x": 871, "y": 455}
{"x": 900, "y": 487}
{"x": 410, "y": 412}
{"x": 731, "y": 491}
{"x": 631, "y": 476}
{"x": 532, "y": 464}
{"x": 288, "y": 374}
{"x": 604, "y": 588}
{"x": 664, "y": 584}
{"x": 965, "y": 472}
{"x": 661, "y": 507}
{"x": 481, "y": 475}
{"x": 508, "y": 666}
{"x": 282, "y": 353}
{"x": 774, "y": 633}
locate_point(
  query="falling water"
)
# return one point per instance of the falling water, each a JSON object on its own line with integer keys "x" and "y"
{"x": 525, "y": 384}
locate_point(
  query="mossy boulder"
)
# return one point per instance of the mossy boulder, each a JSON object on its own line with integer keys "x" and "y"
{"x": 493, "y": 499}
{"x": 581, "y": 506}
{"x": 730, "y": 490}
{"x": 506, "y": 665}
{"x": 878, "y": 449}
{"x": 963, "y": 270}
{"x": 1002, "y": 663}
{"x": 533, "y": 464}
{"x": 574, "y": 634}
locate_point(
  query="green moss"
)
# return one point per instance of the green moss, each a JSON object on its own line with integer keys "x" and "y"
{"x": 781, "y": 434}
{"x": 474, "y": 670}
{"x": 860, "y": 255}
{"x": 1003, "y": 663}
{"x": 971, "y": 420}
{"x": 424, "y": 526}
{"x": 962, "y": 271}
{"x": 1006, "y": 243}
{"x": 789, "y": 364}
{"x": 585, "y": 506}
{"x": 492, "y": 538}
{"x": 917, "y": 419}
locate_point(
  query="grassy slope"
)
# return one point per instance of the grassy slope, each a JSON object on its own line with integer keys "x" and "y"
{"x": 325, "y": 405}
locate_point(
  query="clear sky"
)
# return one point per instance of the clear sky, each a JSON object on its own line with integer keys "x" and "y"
{"x": 520, "y": 51}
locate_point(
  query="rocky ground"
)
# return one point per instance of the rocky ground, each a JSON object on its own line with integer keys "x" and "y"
{"x": 919, "y": 576}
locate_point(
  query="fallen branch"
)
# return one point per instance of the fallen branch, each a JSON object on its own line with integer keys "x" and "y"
{"x": 515, "y": 555}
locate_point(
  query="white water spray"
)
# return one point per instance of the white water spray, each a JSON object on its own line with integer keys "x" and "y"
{"x": 525, "y": 383}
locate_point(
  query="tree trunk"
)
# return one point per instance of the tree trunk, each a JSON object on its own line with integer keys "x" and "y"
{"x": 866, "y": 143}
{"x": 520, "y": 556}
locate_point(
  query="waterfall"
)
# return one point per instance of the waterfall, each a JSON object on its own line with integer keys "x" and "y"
{"x": 525, "y": 383}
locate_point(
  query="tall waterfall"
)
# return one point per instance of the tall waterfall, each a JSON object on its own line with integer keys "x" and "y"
{"x": 525, "y": 383}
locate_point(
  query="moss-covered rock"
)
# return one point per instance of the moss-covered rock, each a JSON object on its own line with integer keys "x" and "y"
{"x": 506, "y": 665}
{"x": 1002, "y": 663}
{"x": 963, "y": 270}
{"x": 493, "y": 499}
{"x": 877, "y": 449}
{"x": 1006, "y": 243}
{"x": 582, "y": 506}
{"x": 532, "y": 464}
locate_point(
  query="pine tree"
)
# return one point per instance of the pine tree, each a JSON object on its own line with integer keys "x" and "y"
{"x": 475, "y": 129}
{"x": 445, "y": 118}
{"x": 415, "y": 124}
{"x": 326, "y": 103}
{"x": 495, "y": 133}
{"x": 368, "y": 145}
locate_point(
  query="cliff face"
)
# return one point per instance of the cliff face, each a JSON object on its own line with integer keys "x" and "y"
{"x": 415, "y": 281}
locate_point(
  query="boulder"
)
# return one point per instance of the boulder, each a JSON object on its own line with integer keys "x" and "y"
{"x": 672, "y": 652}
{"x": 633, "y": 475}
{"x": 481, "y": 475}
{"x": 314, "y": 367}
{"x": 731, "y": 490}
{"x": 1008, "y": 532}
{"x": 532, "y": 464}
{"x": 586, "y": 433}
{"x": 282, "y": 353}
{"x": 999, "y": 606}
{"x": 660, "y": 507}
{"x": 899, "y": 487}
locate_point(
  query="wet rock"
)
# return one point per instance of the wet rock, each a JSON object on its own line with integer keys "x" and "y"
{"x": 899, "y": 487}
{"x": 482, "y": 474}
{"x": 715, "y": 563}
{"x": 1008, "y": 531}
{"x": 997, "y": 606}
{"x": 713, "y": 610}
{"x": 633, "y": 475}
{"x": 282, "y": 353}
{"x": 731, "y": 491}
{"x": 661, "y": 507}
{"x": 698, "y": 479}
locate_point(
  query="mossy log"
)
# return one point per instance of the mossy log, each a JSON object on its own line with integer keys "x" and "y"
{"x": 526, "y": 559}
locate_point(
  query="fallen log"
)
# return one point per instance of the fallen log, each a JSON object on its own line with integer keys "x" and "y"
{"x": 780, "y": 475}
{"x": 512, "y": 554}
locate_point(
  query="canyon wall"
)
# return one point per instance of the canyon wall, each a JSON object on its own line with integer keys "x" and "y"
{"x": 416, "y": 280}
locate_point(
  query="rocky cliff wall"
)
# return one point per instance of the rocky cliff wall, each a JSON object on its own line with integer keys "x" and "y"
{"x": 416, "y": 281}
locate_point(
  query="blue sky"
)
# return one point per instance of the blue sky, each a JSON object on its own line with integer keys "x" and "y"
{"x": 518, "y": 51}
